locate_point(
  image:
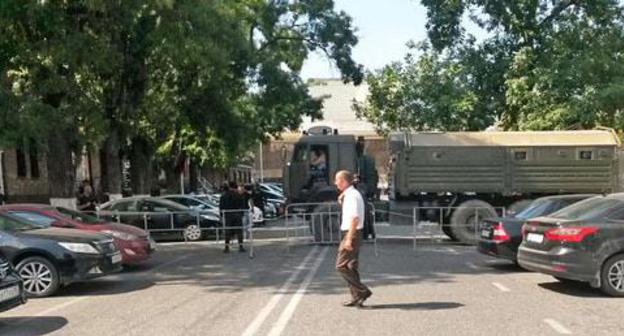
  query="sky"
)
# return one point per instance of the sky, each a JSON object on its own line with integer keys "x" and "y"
{"x": 383, "y": 29}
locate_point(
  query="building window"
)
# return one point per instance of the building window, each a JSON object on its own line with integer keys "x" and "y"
{"x": 21, "y": 162}
{"x": 34, "y": 160}
{"x": 520, "y": 156}
{"x": 586, "y": 155}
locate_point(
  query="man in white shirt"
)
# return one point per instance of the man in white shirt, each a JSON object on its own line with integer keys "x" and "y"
{"x": 351, "y": 227}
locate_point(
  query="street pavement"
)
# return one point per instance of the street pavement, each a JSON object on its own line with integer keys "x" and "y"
{"x": 436, "y": 289}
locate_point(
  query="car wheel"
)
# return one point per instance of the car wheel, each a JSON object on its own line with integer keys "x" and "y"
{"x": 192, "y": 232}
{"x": 40, "y": 276}
{"x": 612, "y": 276}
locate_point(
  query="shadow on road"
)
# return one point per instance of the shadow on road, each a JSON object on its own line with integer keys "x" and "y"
{"x": 417, "y": 306}
{"x": 104, "y": 287}
{"x": 573, "y": 288}
{"x": 31, "y": 326}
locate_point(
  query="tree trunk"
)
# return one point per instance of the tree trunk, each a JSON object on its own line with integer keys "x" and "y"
{"x": 61, "y": 167}
{"x": 111, "y": 164}
{"x": 141, "y": 167}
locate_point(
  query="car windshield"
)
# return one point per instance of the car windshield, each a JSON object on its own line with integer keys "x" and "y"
{"x": 535, "y": 209}
{"x": 79, "y": 216}
{"x": 13, "y": 224}
{"x": 599, "y": 207}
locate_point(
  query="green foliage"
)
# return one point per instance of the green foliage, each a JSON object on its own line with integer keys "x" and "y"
{"x": 208, "y": 78}
{"x": 545, "y": 65}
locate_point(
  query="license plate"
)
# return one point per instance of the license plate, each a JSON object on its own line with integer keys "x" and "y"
{"x": 535, "y": 238}
{"x": 115, "y": 259}
{"x": 485, "y": 233}
{"x": 7, "y": 294}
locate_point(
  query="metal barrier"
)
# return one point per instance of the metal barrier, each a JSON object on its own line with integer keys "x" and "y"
{"x": 314, "y": 223}
{"x": 317, "y": 223}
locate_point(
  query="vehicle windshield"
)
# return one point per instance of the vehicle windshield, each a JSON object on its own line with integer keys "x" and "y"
{"x": 12, "y": 224}
{"x": 535, "y": 209}
{"x": 599, "y": 207}
{"x": 79, "y": 216}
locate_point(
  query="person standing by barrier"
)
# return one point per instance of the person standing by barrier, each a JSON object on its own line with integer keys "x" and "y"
{"x": 85, "y": 200}
{"x": 232, "y": 203}
{"x": 352, "y": 223}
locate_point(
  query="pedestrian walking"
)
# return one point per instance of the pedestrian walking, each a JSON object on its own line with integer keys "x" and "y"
{"x": 232, "y": 206}
{"x": 352, "y": 223}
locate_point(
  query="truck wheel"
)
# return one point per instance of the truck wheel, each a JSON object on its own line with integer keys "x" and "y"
{"x": 612, "y": 276}
{"x": 464, "y": 221}
{"x": 325, "y": 223}
{"x": 446, "y": 228}
{"x": 518, "y": 206}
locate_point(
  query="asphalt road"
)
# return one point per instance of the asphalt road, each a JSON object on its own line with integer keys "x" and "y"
{"x": 440, "y": 289}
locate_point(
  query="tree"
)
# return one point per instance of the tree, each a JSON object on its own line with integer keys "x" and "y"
{"x": 544, "y": 65}
{"x": 160, "y": 78}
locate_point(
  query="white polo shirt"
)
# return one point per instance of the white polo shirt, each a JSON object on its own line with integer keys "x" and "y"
{"x": 352, "y": 206}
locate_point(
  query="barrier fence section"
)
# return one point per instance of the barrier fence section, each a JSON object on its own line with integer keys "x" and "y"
{"x": 319, "y": 223}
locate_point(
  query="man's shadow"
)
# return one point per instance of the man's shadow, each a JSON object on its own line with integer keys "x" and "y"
{"x": 416, "y": 306}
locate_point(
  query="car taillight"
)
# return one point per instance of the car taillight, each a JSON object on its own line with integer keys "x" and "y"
{"x": 570, "y": 234}
{"x": 499, "y": 233}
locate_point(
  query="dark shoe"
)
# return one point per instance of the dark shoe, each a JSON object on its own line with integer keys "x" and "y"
{"x": 360, "y": 301}
{"x": 226, "y": 249}
{"x": 241, "y": 249}
{"x": 351, "y": 303}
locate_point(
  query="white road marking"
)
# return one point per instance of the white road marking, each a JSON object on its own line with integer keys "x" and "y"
{"x": 452, "y": 251}
{"x": 501, "y": 287}
{"x": 472, "y": 266}
{"x": 255, "y": 325}
{"x": 287, "y": 314}
{"x": 557, "y": 327}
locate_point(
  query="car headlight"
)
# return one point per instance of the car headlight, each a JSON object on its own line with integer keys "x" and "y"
{"x": 80, "y": 248}
{"x": 120, "y": 235}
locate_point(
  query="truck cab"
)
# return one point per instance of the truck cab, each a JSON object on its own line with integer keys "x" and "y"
{"x": 309, "y": 175}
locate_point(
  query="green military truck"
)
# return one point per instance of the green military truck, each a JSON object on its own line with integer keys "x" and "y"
{"x": 468, "y": 175}
{"x": 461, "y": 177}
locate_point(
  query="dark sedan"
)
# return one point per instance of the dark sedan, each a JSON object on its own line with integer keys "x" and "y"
{"x": 501, "y": 237}
{"x": 160, "y": 217}
{"x": 12, "y": 292}
{"x": 46, "y": 258}
{"x": 583, "y": 242}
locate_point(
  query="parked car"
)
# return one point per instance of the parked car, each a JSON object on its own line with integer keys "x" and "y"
{"x": 135, "y": 244}
{"x": 501, "y": 237}
{"x": 47, "y": 257}
{"x": 583, "y": 242}
{"x": 12, "y": 293}
{"x": 196, "y": 202}
{"x": 160, "y": 217}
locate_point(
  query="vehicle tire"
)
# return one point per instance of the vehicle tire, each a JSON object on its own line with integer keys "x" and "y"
{"x": 192, "y": 232}
{"x": 464, "y": 225}
{"x": 325, "y": 223}
{"x": 446, "y": 228}
{"x": 612, "y": 276}
{"x": 41, "y": 277}
{"x": 518, "y": 206}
